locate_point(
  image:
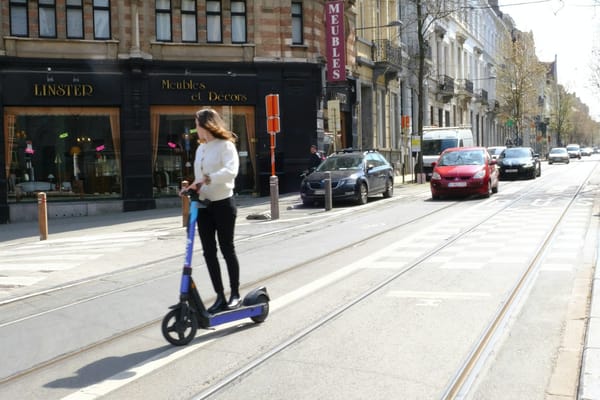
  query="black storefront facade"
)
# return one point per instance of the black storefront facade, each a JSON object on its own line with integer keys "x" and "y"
{"x": 123, "y": 132}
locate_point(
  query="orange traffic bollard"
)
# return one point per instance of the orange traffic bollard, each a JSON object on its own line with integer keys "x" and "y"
{"x": 42, "y": 216}
{"x": 185, "y": 206}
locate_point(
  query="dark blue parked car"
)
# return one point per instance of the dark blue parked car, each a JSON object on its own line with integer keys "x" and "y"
{"x": 355, "y": 175}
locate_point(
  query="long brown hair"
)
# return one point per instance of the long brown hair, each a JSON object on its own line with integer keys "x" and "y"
{"x": 210, "y": 120}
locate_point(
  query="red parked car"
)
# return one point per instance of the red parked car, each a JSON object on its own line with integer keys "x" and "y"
{"x": 464, "y": 171}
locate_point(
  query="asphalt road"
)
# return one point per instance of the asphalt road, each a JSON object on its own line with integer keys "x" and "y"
{"x": 403, "y": 340}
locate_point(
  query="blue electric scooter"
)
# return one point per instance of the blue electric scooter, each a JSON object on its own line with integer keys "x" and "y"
{"x": 180, "y": 324}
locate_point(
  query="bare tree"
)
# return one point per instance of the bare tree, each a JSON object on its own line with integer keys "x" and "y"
{"x": 561, "y": 121}
{"x": 519, "y": 79}
{"x": 426, "y": 14}
{"x": 595, "y": 70}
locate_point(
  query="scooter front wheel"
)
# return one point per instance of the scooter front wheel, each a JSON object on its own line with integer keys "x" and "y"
{"x": 179, "y": 326}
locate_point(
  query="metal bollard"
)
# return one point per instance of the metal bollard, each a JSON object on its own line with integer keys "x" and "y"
{"x": 42, "y": 216}
{"x": 185, "y": 206}
{"x": 328, "y": 194}
{"x": 274, "y": 189}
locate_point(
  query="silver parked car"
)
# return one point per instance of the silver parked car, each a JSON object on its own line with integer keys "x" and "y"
{"x": 558, "y": 154}
{"x": 495, "y": 151}
{"x": 574, "y": 151}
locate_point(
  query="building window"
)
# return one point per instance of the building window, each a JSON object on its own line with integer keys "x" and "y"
{"x": 102, "y": 19}
{"x": 18, "y": 18}
{"x": 188, "y": 21}
{"x": 47, "y": 18}
{"x": 163, "y": 20}
{"x": 238, "y": 22}
{"x": 75, "y": 19}
{"x": 213, "y": 22}
{"x": 174, "y": 144}
{"x": 70, "y": 152}
{"x": 297, "y": 37}
{"x": 381, "y": 134}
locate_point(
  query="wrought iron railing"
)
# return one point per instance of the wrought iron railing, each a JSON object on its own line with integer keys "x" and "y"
{"x": 386, "y": 51}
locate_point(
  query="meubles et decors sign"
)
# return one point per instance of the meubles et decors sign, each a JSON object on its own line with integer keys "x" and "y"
{"x": 335, "y": 41}
{"x": 199, "y": 91}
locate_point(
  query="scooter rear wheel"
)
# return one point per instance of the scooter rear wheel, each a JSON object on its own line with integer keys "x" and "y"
{"x": 179, "y": 327}
{"x": 260, "y": 318}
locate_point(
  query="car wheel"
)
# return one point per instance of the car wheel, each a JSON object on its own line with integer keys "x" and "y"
{"x": 389, "y": 189}
{"x": 495, "y": 188}
{"x": 434, "y": 197}
{"x": 568, "y": 161}
{"x": 362, "y": 195}
{"x": 549, "y": 162}
{"x": 539, "y": 170}
{"x": 489, "y": 189}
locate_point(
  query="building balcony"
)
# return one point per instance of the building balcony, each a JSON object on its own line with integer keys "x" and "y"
{"x": 482, "y": 96}
{"x": 464, "y": 90}
{"x": 385, "y": 52}
{"x": 387, "y": 58}
{"x": 445, "y": 88}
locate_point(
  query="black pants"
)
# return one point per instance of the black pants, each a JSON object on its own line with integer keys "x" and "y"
{"x": 217, "y": 221}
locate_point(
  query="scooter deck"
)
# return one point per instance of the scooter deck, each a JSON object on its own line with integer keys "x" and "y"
{"x": 224, "y": 317}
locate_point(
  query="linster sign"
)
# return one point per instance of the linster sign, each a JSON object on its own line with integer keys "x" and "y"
{"x": 336, "y": 51}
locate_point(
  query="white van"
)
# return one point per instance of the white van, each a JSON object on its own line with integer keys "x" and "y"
{"x": 436, "y": 140}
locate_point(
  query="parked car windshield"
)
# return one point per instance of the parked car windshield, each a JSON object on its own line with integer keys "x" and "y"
{"x": 558, "y": 151}
{"x": 341, "y": 163}
{"x": 516, "y": 153}
{"x": 462, "y": 158}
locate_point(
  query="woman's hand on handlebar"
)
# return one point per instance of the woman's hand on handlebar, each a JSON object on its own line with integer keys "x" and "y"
{"x": 190, "y": 188}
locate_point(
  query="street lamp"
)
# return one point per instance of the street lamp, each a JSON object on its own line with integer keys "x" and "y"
{"x": 396, "y": 23}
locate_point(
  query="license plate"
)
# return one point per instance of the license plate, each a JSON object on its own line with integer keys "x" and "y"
{"x": 319, "y": 192}
{"x": 457, "y": 184}
{"x": 512, "y": 170}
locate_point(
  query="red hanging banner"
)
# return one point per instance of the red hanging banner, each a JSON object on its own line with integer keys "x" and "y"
{"x": 335, "y": 41}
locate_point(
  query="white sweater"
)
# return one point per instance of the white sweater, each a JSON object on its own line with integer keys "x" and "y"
{"x": 219, "y": 160}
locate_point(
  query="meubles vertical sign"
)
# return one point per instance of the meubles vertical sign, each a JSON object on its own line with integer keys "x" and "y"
{"x": 336, "y": 51}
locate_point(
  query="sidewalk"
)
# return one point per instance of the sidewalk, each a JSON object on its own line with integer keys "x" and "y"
{"x": 258, "y": 208}
{"x": 23, "y": 232}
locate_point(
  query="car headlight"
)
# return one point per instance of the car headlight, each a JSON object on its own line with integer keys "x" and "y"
{"x": 436, "y": 175}
{"x": 348, "y": 181}
{"x": 479, "y": 174}
{"x": 528, "y": 165}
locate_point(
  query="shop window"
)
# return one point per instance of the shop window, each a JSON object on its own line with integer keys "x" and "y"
{"x": 238, "y": 22}
{"x": 188, "y": 21}
{"x": 18, "y": 18}
{"x": 297, "y": 37}
{"x": 74, "y": 19}
{"x": 101, "y": 19}
{"x": 174, "y": 144}
{"x": 163, "y": 20}
{"x": 47, "y": 18}
{"x": 213, "y": 22}
{"x": 68, "y": 156}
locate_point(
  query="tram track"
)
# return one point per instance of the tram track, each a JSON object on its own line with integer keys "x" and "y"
{"x": 459, "y": 385}
{"x": 114, "y": 276}
{"x": 264, "y": 357}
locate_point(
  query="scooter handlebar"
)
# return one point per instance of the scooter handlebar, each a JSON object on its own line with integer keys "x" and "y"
{"x": 192, "y": 194}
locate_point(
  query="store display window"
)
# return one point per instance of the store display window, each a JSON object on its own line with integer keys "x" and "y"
{"x": 174, "y": 143}
{"x": 69, "y": 153}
